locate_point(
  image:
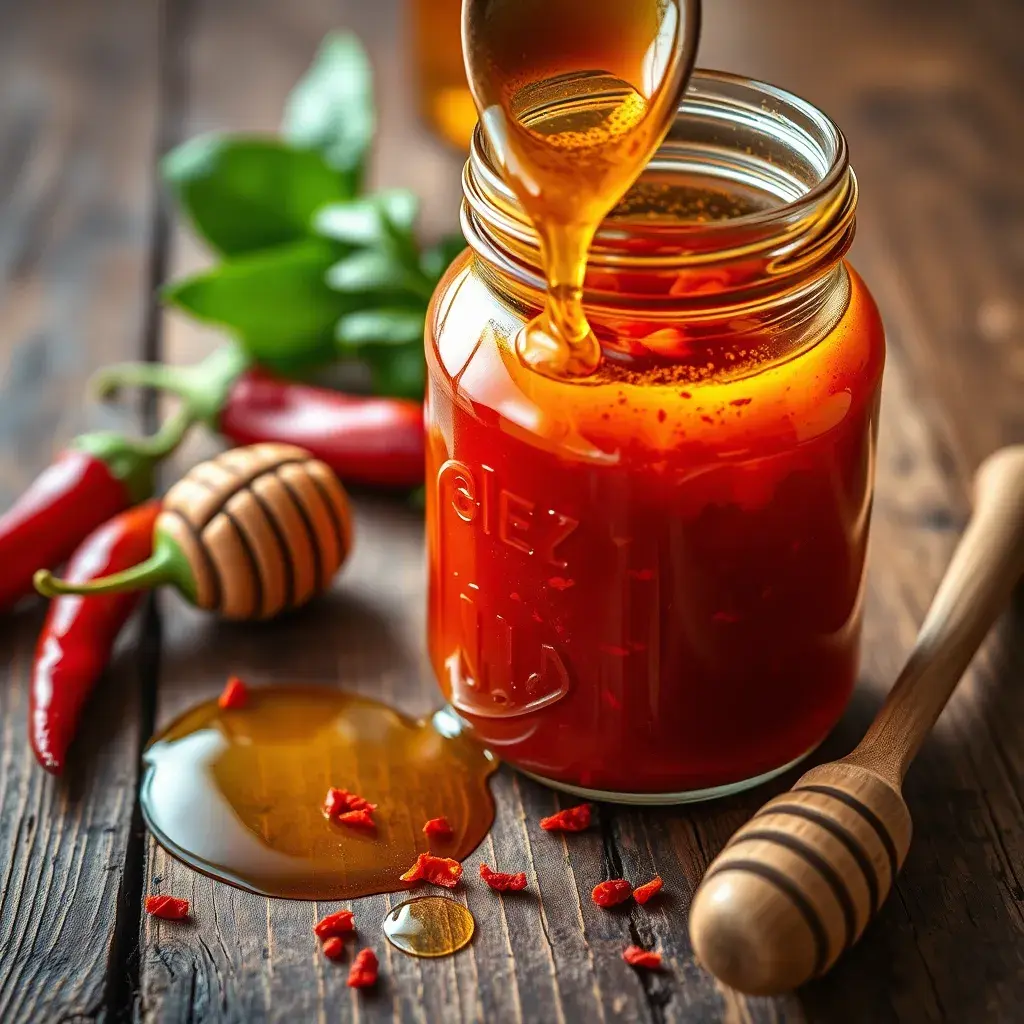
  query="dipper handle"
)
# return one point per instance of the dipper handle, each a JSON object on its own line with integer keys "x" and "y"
{"x": 797, "y": 884}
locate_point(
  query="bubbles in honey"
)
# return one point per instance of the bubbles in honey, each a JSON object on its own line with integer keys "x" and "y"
{"x": 429, "y": 926}
{"x": 238, "y": 794}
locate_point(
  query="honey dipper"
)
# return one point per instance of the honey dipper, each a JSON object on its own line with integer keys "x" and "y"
{"x": 799, "y": 882}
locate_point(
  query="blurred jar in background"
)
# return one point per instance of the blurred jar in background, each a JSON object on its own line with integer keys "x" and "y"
{"x": 444, "y": 96}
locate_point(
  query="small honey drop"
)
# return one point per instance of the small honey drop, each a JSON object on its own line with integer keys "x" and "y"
{"x": 429, "y": 926}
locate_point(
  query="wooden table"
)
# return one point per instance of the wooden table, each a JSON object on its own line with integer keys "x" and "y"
{"x": 90, "y": 94}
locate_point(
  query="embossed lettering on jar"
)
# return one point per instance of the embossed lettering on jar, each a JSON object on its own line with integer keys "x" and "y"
{"x": 647, "y": 584}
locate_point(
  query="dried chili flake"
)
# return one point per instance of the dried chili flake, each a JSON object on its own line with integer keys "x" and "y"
{"x": 235, "y": 695}
{"x": 361, "y": 818}
{"x": 642, "y": 893}
{"x": 334, "y": 948}
{"x": 572, "y": 819}
{"x": 501, "y": 881}
{"x": 637, "y": 957}
{"x": 341, "y": 801}
{"x": 436, "y": 870}
{"x": 438, "y": 827}
{"x": 612, "y": 892}
{"x": 340, "y": 923}
{"x": 363, "y": 972}
{"x": 170, "y": 908}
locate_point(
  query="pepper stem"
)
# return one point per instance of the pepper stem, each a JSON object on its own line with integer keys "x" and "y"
{"x": 170, "y": 434}
{"x": 203, "y": 389}
{"x": 157, "y": 569}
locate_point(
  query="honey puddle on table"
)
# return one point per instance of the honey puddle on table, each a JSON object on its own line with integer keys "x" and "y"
{"x": 237, "y": 794}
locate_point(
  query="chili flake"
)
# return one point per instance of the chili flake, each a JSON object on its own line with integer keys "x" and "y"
{"x": 637, "y": 957}
{"x": 572, "y": 819}
{"x": 341, "y": 801}
{"x": 170, "y": 908}
{"x": 438, "y": 827}
{"x": 334, "y": 948}
{"x": 642, "y": 893}
{"x": 340, "y": 923}
{"x": 436, "y": 870}
{"x": 235, "y": 695}
{"x": 501, "y": 881}
{"x": 363, "y": 972}
{"x": 361, "y": 818}
{"x": 612, "y": 892}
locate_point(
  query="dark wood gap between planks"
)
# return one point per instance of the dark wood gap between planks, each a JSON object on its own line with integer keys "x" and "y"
{"x": 122, "y": 984}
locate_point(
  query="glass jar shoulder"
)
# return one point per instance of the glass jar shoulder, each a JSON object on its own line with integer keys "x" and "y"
{"x": 470, "y": 355}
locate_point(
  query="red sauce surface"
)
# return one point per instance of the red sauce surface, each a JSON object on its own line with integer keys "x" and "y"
{"x": 640, "y": 585}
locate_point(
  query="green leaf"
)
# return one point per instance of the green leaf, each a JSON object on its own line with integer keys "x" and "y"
{"x": 361, "y": 221}
{"x": 380, "y": 272}
{"x": 437, "y": 258}
{"x": 378, "y": 327}
{"x": 245, "y": 194}
{"x": 331, "y": 109}
{"x": 399, "y": 372}
{"x": 276, "y": 303}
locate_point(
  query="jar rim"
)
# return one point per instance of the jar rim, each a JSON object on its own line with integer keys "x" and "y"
{"x": 739, "y": 130}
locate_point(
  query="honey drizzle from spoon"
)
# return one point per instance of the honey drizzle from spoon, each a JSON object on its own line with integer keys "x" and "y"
{"x": 574, "y": 98}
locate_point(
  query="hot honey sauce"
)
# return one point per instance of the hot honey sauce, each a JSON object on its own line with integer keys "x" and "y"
{"x": 646, "y": 578}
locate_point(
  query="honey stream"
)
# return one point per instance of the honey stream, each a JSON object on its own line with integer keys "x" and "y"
{"x": 237, "y": 794}
{"x": 574, "y": 98}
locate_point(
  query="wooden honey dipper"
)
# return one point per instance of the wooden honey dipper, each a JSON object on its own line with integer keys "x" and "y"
{"x": 797, "y": 884}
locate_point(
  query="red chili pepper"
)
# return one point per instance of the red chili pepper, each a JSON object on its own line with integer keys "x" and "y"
{"x": 96, "y": 477}
{"x": 436, "y": 870}
{"x": 366, "y": 440}
{"x": 611, "y": 893}
{"x": 572, "y": 819}
{"x": 439, "y": 827}
{"x": 170, "y": 908}
{"x": 340, "y": 923}
{"x": 363, "y": 972}
{"x": 235, "y": 695}
{"x": 78, "y": 634}
{"x": 501, "y": 881}
{"x": 334, "y": 948}
{"x": 637, "y": 957}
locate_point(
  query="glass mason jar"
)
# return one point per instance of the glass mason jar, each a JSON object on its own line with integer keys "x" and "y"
{"x": 444, "y": 97}
{"x": 647, "y": 585}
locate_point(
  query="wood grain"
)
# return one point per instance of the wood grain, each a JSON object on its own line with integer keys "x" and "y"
{"x": 78, "y": 100}
{"x": 929, "y": 96}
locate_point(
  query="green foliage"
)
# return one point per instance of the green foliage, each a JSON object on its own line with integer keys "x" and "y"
{"x": 312, "y": 269}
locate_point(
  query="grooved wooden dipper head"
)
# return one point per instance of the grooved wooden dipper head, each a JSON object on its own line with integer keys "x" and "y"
{"x": 264, "y": 528}
{"x": 254, "y": 532}
{"x": 799, "y": 882}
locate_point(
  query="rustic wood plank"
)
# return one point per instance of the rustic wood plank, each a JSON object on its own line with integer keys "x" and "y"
{"x": 905, "y": 84}
{"x": 77, "y": 142}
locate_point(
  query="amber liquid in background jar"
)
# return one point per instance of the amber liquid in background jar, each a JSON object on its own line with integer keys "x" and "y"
{"x": 444, "y": 98}
{"x": 647, "y": 583}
